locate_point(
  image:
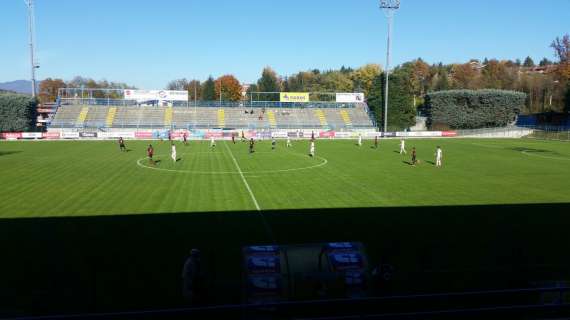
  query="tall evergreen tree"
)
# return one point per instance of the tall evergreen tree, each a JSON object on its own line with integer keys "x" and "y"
{"x": 401, "y": 112}
{"x": 269, "y": 82}
{"x": 528, "y": 62}
{"x": 544, "y": 62}
{"x": 209, "y": 90}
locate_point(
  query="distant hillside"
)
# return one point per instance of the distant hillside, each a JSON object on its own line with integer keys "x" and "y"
{"x": 20, "y": 86}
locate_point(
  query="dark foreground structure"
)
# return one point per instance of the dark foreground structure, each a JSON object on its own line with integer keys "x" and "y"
{"x": 510, "y": 261}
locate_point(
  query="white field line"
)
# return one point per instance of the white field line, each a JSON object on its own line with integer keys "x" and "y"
{"x": 243, "y": 179}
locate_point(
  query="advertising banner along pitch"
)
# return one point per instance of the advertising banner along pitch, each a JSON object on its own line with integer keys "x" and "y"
{"x": 294, "y": 96}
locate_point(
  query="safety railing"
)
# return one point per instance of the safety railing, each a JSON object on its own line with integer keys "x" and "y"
{"x": 206, "y": 104}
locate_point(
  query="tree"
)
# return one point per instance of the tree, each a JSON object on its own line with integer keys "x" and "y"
{"x": 194, "y": 90}
{"x": 562, "y": 51}
{"x": 419, "y": 73}
{"x": 528, "y": 62}
{"x": 49, "y": 89}
{"x": 567, "y": 99}
{"x": 229, "y": 87}
{"x": 401, "y": 112}
{"x": 269, "y": 82}
{"x": 336, "y": 81}
{"x": 364, "y": 77}
{"x": 544, "y": 62}
{"x": 178, "y": 84}
{"x": 465, "y": 76}
{"x": 442, "y": 82}
{"x": 209, "y": 90}
{"x": 496, "y": 75}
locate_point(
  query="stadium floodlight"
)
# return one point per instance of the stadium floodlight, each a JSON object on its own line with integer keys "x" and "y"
{"x": 31, "y": 23}
{"x": 389, "y": 7}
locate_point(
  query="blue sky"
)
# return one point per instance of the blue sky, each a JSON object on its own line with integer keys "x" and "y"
{"x": 147, "y": 43}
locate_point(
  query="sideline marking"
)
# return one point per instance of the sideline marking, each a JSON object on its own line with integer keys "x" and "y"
{"x": 243, "y": 178}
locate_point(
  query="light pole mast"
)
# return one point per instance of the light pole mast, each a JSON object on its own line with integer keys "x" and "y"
{"x": 389, "y": 7}
{"x": 31, "y": 25}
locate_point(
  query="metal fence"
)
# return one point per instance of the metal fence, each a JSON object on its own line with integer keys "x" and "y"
{"x": 192, "y": 126}
{"x": 561, "y": 133}
{"x": 550, "y": 133}
{"x": 211, "y": 104}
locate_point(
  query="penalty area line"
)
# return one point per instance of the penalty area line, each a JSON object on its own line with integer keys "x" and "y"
{"x": 243, "y": 179}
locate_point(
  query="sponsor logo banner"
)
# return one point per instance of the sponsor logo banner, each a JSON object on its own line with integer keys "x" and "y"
{"x": 88, "y": 134}
{"x": 389, "y": 134}
{"x": 124, "y": 134}
{"x": 214, "y": 134}
{"x": 166, "y": 95}
{"x": 294, "y": 96}
{"x": 50, "y": 135}
{"x": 373, "y": 134}
{"x": 448, "y": 134}
{"x": 350, "y": 97}
{"x": 327, "y": 134}
{"x": 280, "y": 134}
{"x": 143, "y": 134}
{"x": 69, "y": 135}
{"x": 263, "y": 134}
{"x": 32, "y": 135}
{"x": 343, "y": 134}
{"x": 294, "y": 134}
{"x": 197, "y": 133}
{"x": 11, "y": 135}
{"x": 419, "y": 134}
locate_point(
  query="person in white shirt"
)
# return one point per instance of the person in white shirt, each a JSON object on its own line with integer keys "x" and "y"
{"x": 438, "y": 156}
{"x": 402, "y": 146}
{"x": 312, "y": 149}
{"x": 289, "y": 142}
{"x": 212, "y": 142}
{"x": 360, "y": 139}
{"x": 173, "y": 153}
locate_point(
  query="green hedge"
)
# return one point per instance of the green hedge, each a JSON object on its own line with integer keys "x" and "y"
{"x": 472, "y": 109}
{"x": 17, "y": 112}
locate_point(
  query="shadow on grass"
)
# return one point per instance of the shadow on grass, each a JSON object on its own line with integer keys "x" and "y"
{"x": 7, "y": 153}
{"x": 533, "y": 150}
{"x": 134, "y": 262}
{"x": 430, "y": 162}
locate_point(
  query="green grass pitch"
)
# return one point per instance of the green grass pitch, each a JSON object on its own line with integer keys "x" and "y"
{"x": 78, "y": 178}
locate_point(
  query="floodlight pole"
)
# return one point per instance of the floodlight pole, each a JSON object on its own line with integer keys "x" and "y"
{"x": 389, "y": 7}
{"x": 31, "y": 25}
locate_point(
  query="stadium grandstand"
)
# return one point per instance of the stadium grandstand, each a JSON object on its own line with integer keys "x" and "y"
{"x": 97, "y": 109}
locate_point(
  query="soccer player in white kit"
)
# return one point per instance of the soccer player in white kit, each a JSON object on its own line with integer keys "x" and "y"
{"x": 173, "y": 153}
{"x": 212, "y": 142}
{"x": 288, "y": 141}
{"x": 402, "y": 146}
{"x": 360, "y": 139}
{"x": 312, "y": 149}
{"x": 438, "y": 156}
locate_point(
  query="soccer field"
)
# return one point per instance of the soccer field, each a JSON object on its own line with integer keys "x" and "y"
{"x": 78, "y": 178}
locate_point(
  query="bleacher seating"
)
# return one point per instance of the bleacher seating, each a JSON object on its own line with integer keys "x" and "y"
{"x": 146, "y": 117}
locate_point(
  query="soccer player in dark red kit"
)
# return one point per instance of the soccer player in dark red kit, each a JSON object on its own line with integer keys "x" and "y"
{"x": 150, "y": 153}
{"x": 122, "y": 144}
{"x": 414, "y": 160}
{"x": 185, "y": 138}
